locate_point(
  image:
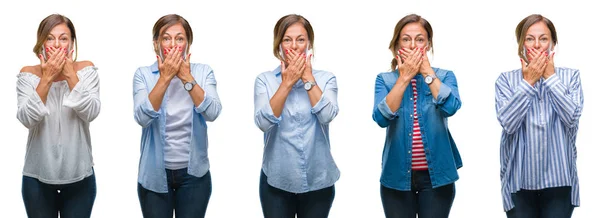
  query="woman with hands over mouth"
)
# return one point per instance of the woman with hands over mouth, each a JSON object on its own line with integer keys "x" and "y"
{"x": 293, "y": 106}
{"x": 538, "y": 107}
{"x": 173, "y": 100}
{"x": 57, "y": 100}
{"x": 414, "y": 101}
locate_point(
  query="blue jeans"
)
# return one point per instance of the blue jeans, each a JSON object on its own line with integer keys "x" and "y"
{"x": 550, "y": 202}
{"x": 422, "y": 199}
{"x": 277, "y": 203}
{"x": 70, "y": 200}
{"x": 188, "y": 196}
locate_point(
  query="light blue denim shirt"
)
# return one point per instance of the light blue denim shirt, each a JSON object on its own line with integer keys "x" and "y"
{"x": 152, "y": 174}
{"x": 441, "y": 152}
{"x": 297, "y": 156}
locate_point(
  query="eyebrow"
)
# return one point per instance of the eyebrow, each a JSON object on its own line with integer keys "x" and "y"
{"x": 293, "y": 37}
{"x": 543, "y": 34}
{"x": 58, "y": 35}
{"x": 410, "y": 36}
{"x": 170, "y": 34}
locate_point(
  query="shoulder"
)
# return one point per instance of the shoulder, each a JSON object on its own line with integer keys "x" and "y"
{"x": 567, "y": 71}
{"x": 388, "y": 76}
{"x": 322, "y": 74}
{"x": 35, "y": 70}
{"x": 200, "y": 68}
{"x": 440, "y": 72}
{"x": 83, "y": 64}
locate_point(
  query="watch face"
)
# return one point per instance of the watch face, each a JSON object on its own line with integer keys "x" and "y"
{"x": 188, "y": 86}
{"x": 428, "y": 79}
{"x": 307, "y": 86}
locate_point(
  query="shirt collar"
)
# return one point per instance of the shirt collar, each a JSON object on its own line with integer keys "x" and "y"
{"x": 154, "y": 67}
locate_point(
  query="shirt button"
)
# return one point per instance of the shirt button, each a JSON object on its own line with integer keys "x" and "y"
{"x": 409, "y": 152}
{"x": 408, "y": 171}
{"x": 411, "y": 99}
{"x": 409, "y": 134}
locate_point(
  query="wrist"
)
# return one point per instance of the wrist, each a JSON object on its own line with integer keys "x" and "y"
{"x": 307, "y": 78}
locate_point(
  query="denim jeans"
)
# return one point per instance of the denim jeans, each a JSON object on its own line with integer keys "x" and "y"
{"x": 74, "y": 200}
{"x": 545, "y": 203}
{"x": 277, "y": 203}
{"x": 188, "y": 196}
{"x": 422, "y": 199}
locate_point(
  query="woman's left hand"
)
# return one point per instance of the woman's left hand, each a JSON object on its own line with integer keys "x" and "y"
{"x": 185, "y": 74}
{"x": 68, "y": 69}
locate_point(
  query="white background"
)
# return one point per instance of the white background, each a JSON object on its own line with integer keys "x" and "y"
{"x": 475, "y": 40}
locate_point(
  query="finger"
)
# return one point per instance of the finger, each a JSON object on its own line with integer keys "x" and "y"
{"x": 159, "y": 61}
{"x": 187, "y": 60}
{"x": 282, "y": 67}
{"x": 309, "y": 61}
{"x": 42, "y": 61}
{"x": 71, "y": 54}
{"x": 523, "y": 65}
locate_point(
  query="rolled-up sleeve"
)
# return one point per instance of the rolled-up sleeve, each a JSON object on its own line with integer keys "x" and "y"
{"x": 84, "y": 99}
{"x": 382, "y": 114}
{"x": 210, "y": 107}
{"x": 143, "y": 111}
{"x": 31, "y": 110}
{"x": 264, "y": 117}
{"x": 327, "y": 107}
{"x": 448, "y": 99}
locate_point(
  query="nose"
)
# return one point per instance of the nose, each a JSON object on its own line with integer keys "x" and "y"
{"x": 537, "y": 44}
{"x": 56, "y": 44}
{"x": 412, "y": 44}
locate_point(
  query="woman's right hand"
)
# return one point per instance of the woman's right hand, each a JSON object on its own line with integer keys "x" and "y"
{"x": 170, "y": 66}
{"x": 533, "y": 71}
{"x": 411, "y": 64}
{"x": 293, "y": 72}
{"x": 52, "y": 67}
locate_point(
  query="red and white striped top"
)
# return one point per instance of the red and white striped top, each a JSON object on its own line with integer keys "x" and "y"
{"x": 419, "y": 161}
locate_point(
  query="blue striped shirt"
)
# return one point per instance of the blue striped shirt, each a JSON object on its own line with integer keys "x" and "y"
{"x": 539, "y": 129}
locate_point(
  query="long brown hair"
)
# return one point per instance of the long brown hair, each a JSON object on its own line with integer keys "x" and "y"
{"x": 411, "y": 18}
{"x": 283, "y": 24}
{"x": 47, "y": 25}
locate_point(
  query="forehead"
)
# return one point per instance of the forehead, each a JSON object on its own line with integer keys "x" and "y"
{"x": 175, "y": 29}
{"x": 295, "y": 29}
{"x": 413, "y": 29}
{"x": 538, "y": 28}
{"x": 60, "y": 29}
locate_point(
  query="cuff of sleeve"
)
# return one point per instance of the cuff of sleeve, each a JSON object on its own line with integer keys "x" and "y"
{"x": 442, "y": 94}
{"x": 527, "y": 88}
{"x": 149, "y": 110}
{"x": 204, "y": 104}
{"x": 75, "y": 96}
{"x": 35, "y": 98}
{"x": 267, "y": 113}
{"x": 552, "y": 82}
{"x": 319, "y": 105}
{"x": 385, "y": 110}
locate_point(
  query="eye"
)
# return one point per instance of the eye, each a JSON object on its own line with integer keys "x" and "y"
{"x": 405, "y": 39}
{"x": 301, "y": 40}
{"x": 180, "y": 39}
{"x": 529, "y": 39}
{"x": 287, "y": 40}
{"x": 420, "y": 40}
{"x": 49, "y": 39}
{"x": 544, "y": 40}
{"x": 64, "y": 39}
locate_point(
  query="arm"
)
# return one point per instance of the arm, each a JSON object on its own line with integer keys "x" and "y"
{"x": 206, "y": 99}
{"x": 31, "y": 110}
{"x": 264, "y": 116}
{"x": 445, "y": 94}
{"x": 84, "y": 97}
{"x": 567, "y": 102}
{"x": 387, "y": 103}
{"x": 143, "y": 109}
{"x": 325, "y": 105}
{"x": 512, "y": 103}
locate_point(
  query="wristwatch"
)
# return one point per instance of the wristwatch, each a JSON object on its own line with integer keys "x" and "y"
{"x": 429, "y": 78}
{"x": 309, "y": 84}
{"x": 189, "y": 85}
